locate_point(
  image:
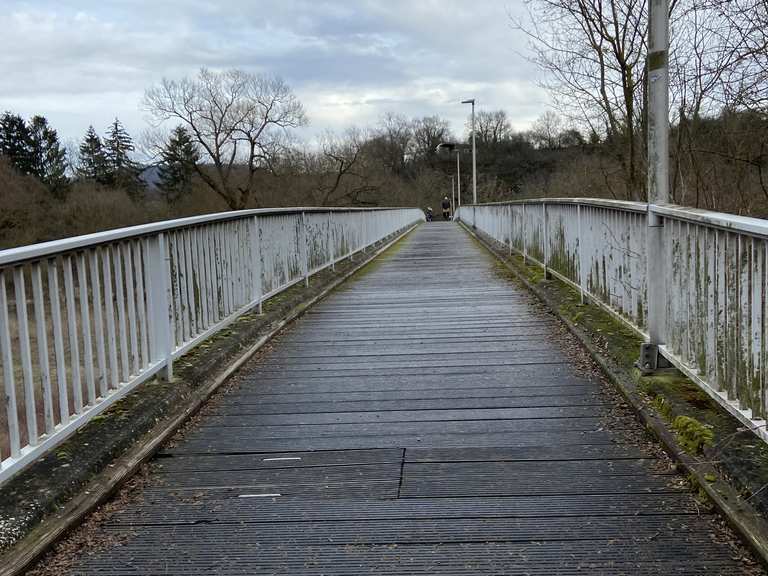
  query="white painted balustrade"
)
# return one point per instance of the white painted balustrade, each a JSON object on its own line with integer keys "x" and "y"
{"x": 713, "y": 316}
{"x": 87, "y": 319}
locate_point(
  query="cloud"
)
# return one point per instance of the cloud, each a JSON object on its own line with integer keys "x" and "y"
{"x": 84, "y": 62}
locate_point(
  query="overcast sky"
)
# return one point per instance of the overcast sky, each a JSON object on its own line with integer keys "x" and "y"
{"x": 81, "y": 62}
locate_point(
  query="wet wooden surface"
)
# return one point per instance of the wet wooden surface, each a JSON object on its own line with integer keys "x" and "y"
{"x": 425, "y": 419}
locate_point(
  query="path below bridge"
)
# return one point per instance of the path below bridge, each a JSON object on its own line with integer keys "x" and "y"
{"x": 427, "y": 418}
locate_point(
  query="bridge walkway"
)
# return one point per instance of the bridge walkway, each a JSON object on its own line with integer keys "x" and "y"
{"x": 428, "y": 418}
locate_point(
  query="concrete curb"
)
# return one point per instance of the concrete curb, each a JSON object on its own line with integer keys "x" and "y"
{"x": 105, "y": 483}
{"x": 750, "y": 525}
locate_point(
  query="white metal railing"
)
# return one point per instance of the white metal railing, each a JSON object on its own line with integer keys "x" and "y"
{"x": 85, "y": 320}
{"x": 713, "y": 312}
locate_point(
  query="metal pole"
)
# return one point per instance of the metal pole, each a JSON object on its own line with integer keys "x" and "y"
{"x": 474, "y": 152}
{"x": 453, "y": 197}
{"x": 458, "y": 175}
{"x": 658, "y": 176}
{"x": 474, "y": 157}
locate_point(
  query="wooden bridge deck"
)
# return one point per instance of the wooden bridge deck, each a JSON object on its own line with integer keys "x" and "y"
{"x": 425, "y": 419}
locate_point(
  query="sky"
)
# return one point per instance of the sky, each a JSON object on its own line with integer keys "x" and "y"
{"x": 82, "y": 62}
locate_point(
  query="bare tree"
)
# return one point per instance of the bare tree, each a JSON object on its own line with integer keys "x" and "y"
{"x": 491, "y": 127}
{"x": 704, "y": 48}
{"x": 748, "y": 79}
{"x": 394, "y": 139}
{"x": 546, "y": 130}
{"x": 593, "y": 53}
{"x": 428, "y": 132}
{"x": 239, "y": 120}
{"x": 341, "y": 168}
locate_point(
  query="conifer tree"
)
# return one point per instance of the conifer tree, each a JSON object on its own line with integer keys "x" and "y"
{"x": 122, "y": 171}
{"x": 93, "y": 161}
{"x": 179, "y": 157}
{"x": 15, "y": 142}
{"x": 48, "y": 157}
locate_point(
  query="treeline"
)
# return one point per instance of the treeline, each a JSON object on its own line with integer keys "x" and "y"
{"x": 32, "y": 148}
{"x": 230, "y": 140}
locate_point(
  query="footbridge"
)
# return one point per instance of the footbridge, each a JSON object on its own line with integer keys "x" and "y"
{"x": 428, "y": 416}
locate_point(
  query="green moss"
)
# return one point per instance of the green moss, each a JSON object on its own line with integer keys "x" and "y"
{"x": 682, "y": 397}
{"x": 381, "y": 259}
{"x": 663, "y": 407}
{"x": 692, "y": 434}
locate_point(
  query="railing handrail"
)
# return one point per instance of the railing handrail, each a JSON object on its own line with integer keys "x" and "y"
{"x": 21, "y": 254}
{"x": 627, "y": 205}
{"x": 723, "y": 220}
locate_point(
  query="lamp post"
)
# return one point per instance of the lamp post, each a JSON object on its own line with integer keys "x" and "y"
{"x": 474, "y": 152}
{"x": 453, "y": 195}
{"x": 658, "y": 180}
{"x": 454, "y": 147}
{"x": 458, "y": 175}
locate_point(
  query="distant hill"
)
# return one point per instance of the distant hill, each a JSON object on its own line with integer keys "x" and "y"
{"x": 150, "y": 175}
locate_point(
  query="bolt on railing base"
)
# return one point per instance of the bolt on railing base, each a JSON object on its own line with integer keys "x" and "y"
{"x": 651, "y": 360}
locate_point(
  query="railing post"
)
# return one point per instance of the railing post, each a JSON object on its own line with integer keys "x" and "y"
{"x": 650, "y": 359}
{"x": 258, "y": 289}
{"x": 158, "y": 274}
{"x": 304, "y": 247}
{"x": 363, "y": 231}
{"x": 547, "y": 275}
{"x": 580, "y": 248}
{"x": 525, "y": 234}
{"x": 350, "y": 227}
{"x": 331, "y": 244}
{"x": 8, "y": 373}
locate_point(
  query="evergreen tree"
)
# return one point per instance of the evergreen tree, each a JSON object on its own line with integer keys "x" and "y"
{"x": 122, "y": 171}
{"x": 48, "y": 157}
{"x": 15, "y": 142}
{"x": 179, "y": 156}
{"x": 93, "y": 161}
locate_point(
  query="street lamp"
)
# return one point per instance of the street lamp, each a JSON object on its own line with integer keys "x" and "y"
{"x": 458, "y": 174}
{"x": 454, "y": 147}
{"x": 474, "y": 152}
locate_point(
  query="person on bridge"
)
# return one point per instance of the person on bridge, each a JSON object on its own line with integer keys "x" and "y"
{"x": 446, "y": 208}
